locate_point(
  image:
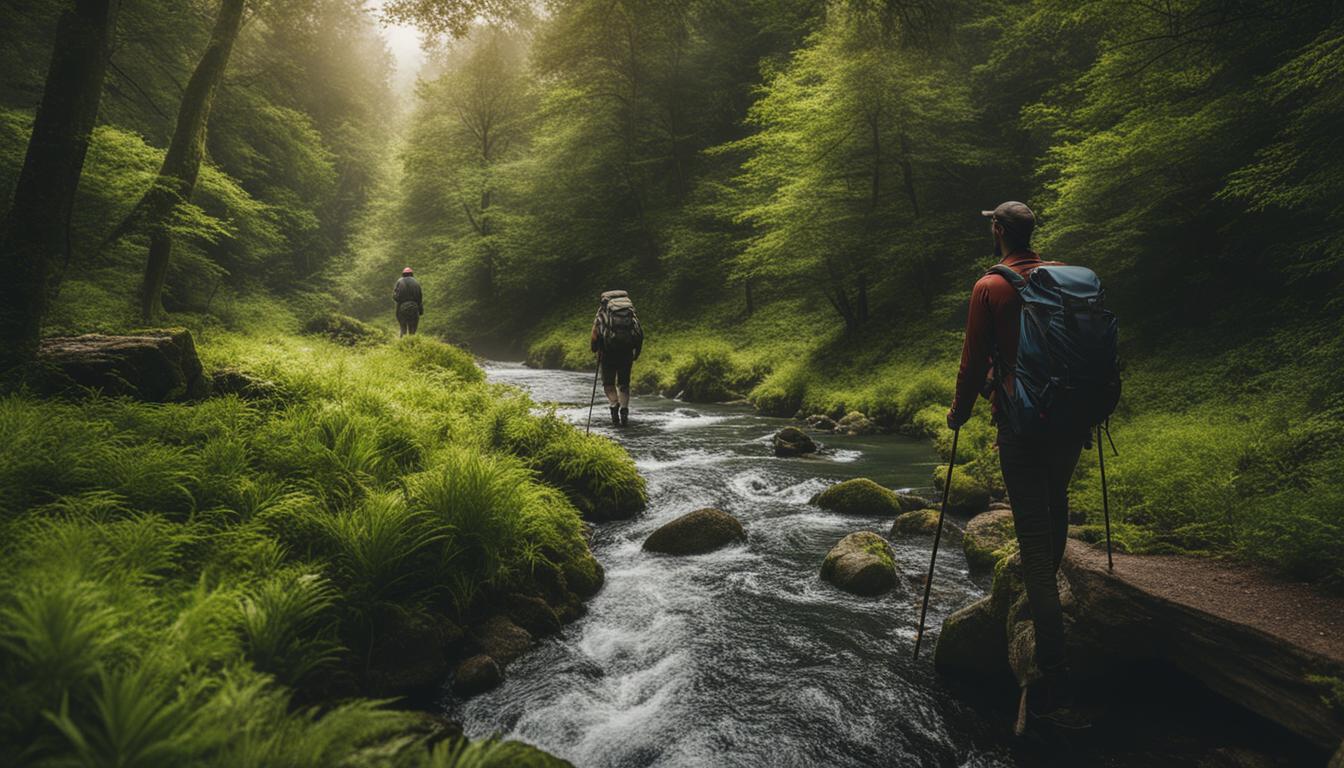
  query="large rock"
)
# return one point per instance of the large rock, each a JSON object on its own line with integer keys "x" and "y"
{"x": 532, "y": 614}
{"x": 156, "y": 366}
{"x": 862, "y": 496}
{"x": 854, "y": 423}
{"x": 967, "y": 495}
{"x": 923, "y": 522}
{"x": 1269, "y": 646}
{"x": 703, "y": 530}
{"x": 862, "y": 563}
{"x": 821, "y": 422}
{"x": 501, "y": 639}
{"x": 476, "y": 675}
{"x": 989, "y": 537}
{"x": 792, "y": 441}
{"x": 972, "y": 644}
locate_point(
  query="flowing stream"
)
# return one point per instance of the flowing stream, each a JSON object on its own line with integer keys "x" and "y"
{"x": 743, "y": 656}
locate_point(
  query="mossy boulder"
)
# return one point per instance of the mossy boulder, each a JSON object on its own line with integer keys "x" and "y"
{"x": 584, "y": 575}
{"x": 923, "y": 522}
{"x": 156, "y": 366}
{"x": 854, "y": 423}
{"x": 703, "y": 530}
{"x": 989, "y": 537}
{"x": 343, "y": 329}
{"x": 862, "y": 563}
{"x": 792, "y": 441}
{"x": 244, "y": 385}
{"x": 967, "y": 495}
{"x": 532, "y": 614}
{"x": 973, "y": 644}
{"x": 862, "y": 496}
{"x": 501, "y": 639}
{"x": 476, "y": 675}
{"x": 821, "y": 422}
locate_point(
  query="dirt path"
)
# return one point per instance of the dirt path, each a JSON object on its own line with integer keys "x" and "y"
{"x": 1296, "y": 613}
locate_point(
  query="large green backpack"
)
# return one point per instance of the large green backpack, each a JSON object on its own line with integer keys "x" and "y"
{"x": 619, "y": 325}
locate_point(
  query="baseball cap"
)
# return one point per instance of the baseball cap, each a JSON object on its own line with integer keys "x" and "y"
{"x": 1014, "y": 216}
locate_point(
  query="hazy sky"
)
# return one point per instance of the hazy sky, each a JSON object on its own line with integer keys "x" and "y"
{"x": 404, "y": 42}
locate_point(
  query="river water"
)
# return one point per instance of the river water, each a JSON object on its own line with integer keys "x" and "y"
{"x": 743, "y": 656}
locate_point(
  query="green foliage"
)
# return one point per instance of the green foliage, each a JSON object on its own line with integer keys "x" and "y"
{"x": 176, "y": 573}
{"x": 284, "y": 622}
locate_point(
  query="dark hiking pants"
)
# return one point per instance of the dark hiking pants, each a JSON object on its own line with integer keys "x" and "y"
{"x": 1036, "y": 474}
{"x": 408, "y": 316}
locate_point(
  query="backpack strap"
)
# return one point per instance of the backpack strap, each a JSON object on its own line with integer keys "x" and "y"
{"x": 1008, "y": 273}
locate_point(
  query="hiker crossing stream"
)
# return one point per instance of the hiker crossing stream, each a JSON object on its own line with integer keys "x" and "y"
{"x": 743, "y": 656}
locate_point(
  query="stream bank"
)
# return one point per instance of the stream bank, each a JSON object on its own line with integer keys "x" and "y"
{"x": 743, "y": 656}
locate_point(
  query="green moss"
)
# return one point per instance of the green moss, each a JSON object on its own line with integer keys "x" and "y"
{"x": 967, "y": 494}
{"x": 862, "y": 496}
{"x": 343, "y": 329}
{"x": 1332, "y": 691}
{"x": 989, "y": 539}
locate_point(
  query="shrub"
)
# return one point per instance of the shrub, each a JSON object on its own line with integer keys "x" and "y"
{"x": 343, "y": 329}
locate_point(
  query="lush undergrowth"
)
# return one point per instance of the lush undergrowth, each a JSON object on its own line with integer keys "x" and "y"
{"x": 1228, "y": 449}
{"x": 204, "y": 583}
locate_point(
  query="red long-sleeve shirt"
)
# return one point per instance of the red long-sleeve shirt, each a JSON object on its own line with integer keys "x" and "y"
{"x": 991, "y": 326}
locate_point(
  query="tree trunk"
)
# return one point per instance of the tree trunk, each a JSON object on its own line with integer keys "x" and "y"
{"x": 36, "y": 231}
{"x": 182, "y": 163}
{"x": 908, "y": 172}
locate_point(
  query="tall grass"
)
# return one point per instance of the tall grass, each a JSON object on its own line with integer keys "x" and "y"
{"x": 171, "y": 575}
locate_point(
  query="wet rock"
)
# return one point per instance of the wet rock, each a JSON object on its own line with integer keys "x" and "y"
{"x": 967, "y": 495}
{"x": 973, "y": 644}
{"x": 855, "y": 423}
{"x": 343, "y": 329}
{"x": 923, "y": 522}
{"x": 501, "y": 639}
{"x": 862, "y": 563}
{"x": 584, "y": 576}
{"x": 477, "y": 674}
{"x": 821, "y": 422}
{"x": 532, "y": 614}
{"x": 862, "y": 496}
{"x": 156, "y": 366}
{"x": 792, "y": 441}
{"x": 703, "y": 530}
{"x": 989, "y": 537}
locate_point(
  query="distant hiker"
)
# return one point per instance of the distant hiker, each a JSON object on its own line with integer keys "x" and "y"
{"x": 1044, "y": 417}
{"x": 409, "y": 301}
{"x": 617, "y": 339}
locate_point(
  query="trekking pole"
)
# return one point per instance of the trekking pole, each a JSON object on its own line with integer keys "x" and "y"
{"x": 928, "y": 583}
{"x": 589, "y": 428}
{"x": 1105, "y": 502}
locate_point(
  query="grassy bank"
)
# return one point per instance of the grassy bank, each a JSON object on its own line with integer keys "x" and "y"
{"x": 221, "y": 583}
{"x": 1227, "y": 447}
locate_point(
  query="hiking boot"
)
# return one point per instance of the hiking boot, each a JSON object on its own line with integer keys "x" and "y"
{"x": 625, "y": 416}
{"x": 615, "y": 416}
{"x": 1050, "y": 700}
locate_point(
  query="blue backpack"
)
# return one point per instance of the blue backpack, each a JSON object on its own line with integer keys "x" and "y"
{"x": 1067, "y": 379}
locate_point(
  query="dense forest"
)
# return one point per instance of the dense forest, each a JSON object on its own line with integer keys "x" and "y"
{"x": 789, "y": 189}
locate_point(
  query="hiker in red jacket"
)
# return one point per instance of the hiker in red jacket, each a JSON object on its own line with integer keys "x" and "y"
{"x": 1036, "y": 470}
